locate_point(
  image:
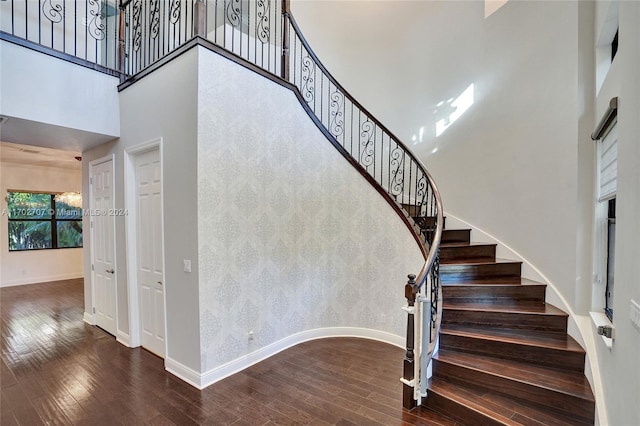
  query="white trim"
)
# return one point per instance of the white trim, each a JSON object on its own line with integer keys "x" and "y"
{"x": 183, "y": 372}
{"x": 599, "y": 319}
{"x": 45, "y": 279}
{"x": 123, "y": 338}
{"x": 131, "y": 238}
{"x": 216, "y": 374}
{"x": 111, "y": 157}
{"x": 131, "y": 248}
{"x": 89, "y": 318}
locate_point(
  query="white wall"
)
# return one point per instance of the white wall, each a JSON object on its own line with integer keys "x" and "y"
{"x": 291, "y": 237}
{"x": 162, "y": 104}
{"x": 508, "y": 164}
{"x": 27, "y": 267}
{"x": 44, "y": 89}
{"x": 619, "y": 364}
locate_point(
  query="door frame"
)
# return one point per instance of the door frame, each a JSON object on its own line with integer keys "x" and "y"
{"x": 130, "y": 174}
{"x": 92, "y": 207}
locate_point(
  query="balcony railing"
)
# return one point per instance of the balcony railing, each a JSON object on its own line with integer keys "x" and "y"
{"x": 86, "y": 30}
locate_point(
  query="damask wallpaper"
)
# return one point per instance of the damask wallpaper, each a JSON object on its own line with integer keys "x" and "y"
{"x": 291, "y": 237}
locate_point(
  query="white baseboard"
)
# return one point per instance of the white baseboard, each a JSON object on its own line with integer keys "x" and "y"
{"x": 183, "y": 372}
{"x": 38, "y": 280}
{"x": 123, "y": 338}
{"x": 88, "y": 318}
{"x": 214, "y": 375}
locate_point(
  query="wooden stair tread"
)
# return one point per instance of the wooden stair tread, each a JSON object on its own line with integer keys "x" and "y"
{"x": 470, "y": 399}
{"x": 528, "y": 415}
{"x": 525, "y": 307}
{"x": 476, "y": 261}
{"x": 497, "y": 407}
{"x": 538, "y": 338}
{"x": 496, "y": 281}
{"x": 563, "y": 382}
{"x": 464, "y": 244}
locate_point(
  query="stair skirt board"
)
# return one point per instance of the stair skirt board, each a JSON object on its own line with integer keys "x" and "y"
{"x": 202, "y": 380}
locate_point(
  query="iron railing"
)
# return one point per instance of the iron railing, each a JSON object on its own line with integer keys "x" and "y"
{"x": 152, "y": 29}
{"x": 249, "y": 29}
{"x": 87, "y": 30}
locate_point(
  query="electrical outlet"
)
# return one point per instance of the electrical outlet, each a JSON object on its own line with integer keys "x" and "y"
{"x": 635, "y": 314}
{"x": 250, "y": 334}
{"x": 186, "y": 265}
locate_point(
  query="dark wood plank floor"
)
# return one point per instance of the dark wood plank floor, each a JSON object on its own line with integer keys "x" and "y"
{"x": 56, "y": 369}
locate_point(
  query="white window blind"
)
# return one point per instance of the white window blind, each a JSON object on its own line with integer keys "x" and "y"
{"x": 608, "y": 164}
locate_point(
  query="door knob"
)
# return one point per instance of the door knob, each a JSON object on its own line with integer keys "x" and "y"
{"x": 110, "y": 271}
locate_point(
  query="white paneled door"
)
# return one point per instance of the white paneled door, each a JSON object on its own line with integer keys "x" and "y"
{"x": 150, "y": 251}
{"x": 103, "y": 245}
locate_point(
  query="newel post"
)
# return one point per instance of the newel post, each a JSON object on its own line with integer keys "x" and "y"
{"x": 284, "y": 68}
{"x": 199, "y": 18}
{"x": 408, "y": 379}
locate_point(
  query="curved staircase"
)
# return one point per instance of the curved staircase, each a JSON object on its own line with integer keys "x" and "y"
{"x": 505, "y": 356}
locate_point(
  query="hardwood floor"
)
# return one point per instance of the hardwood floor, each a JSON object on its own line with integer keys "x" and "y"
{"x": 56, "y": 369}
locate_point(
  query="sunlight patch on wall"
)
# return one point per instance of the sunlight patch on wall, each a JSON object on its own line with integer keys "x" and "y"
{"x": 491, "y": 6}
{"x": 416, "y": 139}
{"x": 452, "y": 109}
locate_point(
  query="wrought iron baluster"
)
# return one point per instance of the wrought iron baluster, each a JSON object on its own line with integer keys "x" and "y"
{"x": 321, "y": 96}
{"x": 294, "y": 56}
{"x": 367, "y": 133}
{"x": 39, "y": 23}
{"x": 351, "y": 136}
{"x": 215, "y": 25}
{"x": 64, "y": 27}
{"x": 315, "y": 79}
{"x": 307, "y": 77}
{"x": 336, "y": 126}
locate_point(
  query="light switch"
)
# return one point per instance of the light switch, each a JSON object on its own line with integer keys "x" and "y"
{"x": 186, "y": 265}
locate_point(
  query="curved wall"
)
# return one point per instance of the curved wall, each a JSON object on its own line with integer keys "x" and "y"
{"x": 293, "y": 243}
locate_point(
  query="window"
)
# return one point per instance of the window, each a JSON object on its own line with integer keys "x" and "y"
{"x": 44, "y": 221}
{"x": 611, "y": 258}
{"x": 605, "y": 214}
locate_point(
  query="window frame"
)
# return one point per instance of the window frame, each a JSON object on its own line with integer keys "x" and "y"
{"x": 605, "y": 195}
{"x": 609, "y": 278}
{"x": 53, "y": 220}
